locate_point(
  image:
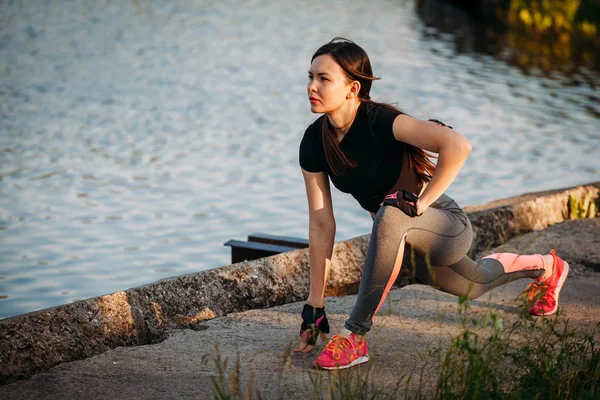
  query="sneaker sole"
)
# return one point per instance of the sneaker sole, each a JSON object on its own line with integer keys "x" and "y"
{"x": 561, "y": 282}
{"x": 359, "y": 360}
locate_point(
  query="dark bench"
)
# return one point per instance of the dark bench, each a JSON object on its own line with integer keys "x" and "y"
{"x": 262, "y": 245}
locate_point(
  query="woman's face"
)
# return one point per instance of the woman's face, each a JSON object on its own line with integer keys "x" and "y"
{"x": 328, "y": 85}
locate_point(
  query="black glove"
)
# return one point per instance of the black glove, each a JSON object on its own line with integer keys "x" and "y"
{"x": 314, "y": 322}
{"x": 404, "y": 200}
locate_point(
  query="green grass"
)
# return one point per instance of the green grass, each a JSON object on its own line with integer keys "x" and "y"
{"x": 584, "y": 208}
{"x": 530, "y": 358}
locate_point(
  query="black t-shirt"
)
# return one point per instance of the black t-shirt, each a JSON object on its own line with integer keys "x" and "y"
{"x": 371, "y": 144}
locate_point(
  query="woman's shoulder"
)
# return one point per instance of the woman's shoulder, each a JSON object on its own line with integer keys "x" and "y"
{"x": 312, "y": 134}
{"x": 311, "y": 147}
{"x": 314, "y": 129}
{"x": 382, "y": 110}
{"x": 381, "y": 119}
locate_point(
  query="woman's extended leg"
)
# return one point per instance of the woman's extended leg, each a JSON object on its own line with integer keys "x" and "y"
{"x": 471, "y": 279}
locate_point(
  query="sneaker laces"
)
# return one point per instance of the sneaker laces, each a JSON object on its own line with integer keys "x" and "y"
{"x": 537, "y": 289}
{"x": 337, "y": 344}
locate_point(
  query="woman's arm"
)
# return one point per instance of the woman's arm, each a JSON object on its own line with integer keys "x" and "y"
{"x": 321, "y": 233}
{"x": 452, "y": 148}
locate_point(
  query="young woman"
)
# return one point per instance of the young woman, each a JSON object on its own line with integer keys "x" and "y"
{"x": 379, "y": 155}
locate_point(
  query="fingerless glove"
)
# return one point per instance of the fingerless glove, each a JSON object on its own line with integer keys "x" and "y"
{"x": 404, "y": 200}
{"x": 314, "y": 322}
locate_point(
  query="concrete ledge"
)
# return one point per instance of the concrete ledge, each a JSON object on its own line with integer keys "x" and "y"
{"x": 39, "y": 340}
{"x": 496, "y": 222}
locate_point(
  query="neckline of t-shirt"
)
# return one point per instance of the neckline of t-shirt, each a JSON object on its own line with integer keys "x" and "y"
{"x": 359, "y": 112}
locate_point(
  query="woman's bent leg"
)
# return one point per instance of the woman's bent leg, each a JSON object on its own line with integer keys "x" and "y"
{"x": 438, "y": 233}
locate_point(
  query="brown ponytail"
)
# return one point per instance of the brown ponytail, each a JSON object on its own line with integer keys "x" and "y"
{"x": 420, "y": 162}
{"x": 338, "y": 161}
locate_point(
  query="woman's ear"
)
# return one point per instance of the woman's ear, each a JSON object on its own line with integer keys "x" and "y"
{"x": 354, "y": 90}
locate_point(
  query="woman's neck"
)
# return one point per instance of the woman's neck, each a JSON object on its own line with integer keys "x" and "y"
{"x": 341, "y": 120}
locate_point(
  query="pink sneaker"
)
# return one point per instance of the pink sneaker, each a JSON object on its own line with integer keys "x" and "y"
{"x": 549, "y": 288}
{"x": 342, "y": 352}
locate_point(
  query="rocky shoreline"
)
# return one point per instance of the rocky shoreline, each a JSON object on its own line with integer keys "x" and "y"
{"x": 37, "y": 341}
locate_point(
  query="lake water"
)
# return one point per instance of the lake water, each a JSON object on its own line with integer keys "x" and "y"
{"x": 137, "y": 138}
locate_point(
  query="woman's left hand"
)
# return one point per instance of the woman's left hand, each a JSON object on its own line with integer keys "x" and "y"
{"x": 314, "y": 324}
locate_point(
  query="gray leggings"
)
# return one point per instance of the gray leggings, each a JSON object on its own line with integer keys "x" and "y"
{"x": 436, "y": 246}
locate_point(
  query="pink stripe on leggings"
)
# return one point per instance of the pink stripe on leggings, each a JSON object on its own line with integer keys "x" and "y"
{"x": 515, "y": 262}
{"x": 394, "y": 275}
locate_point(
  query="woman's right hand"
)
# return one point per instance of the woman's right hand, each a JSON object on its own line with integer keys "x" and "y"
{"x": 314, "y": 324}
{"x": 403, "y": 200}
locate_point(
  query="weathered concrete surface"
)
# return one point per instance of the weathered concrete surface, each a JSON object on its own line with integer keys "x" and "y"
{"x": 415, "y": 317}
{"x": 144, "y": 315}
